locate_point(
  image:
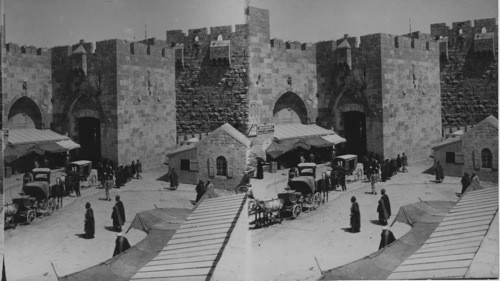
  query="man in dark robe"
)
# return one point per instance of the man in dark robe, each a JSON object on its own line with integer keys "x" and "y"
{"x": 465, "y": 182}
{"x": 174, "y": 180}
{"x": 404, "y": 163}
{"x": 387, "y": 237}
{"x": 384, "y": 208}
{"x": 260, "y": 169}
{"x": 355, "y": 216}
{"x": 118, "y": 214}
{"x": 439, "y": 171}
{"x": 89, "y": 222}
{"x": 200, "y": 190}
{"x": 342, "y": 178}
{"x": 121, "y": 244}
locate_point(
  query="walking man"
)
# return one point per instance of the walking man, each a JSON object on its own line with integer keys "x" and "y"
{"x": 118, "y": 214}
{"x": 174, "y": 180}
{"x": 404, "y": 163}
{"x": 384, "y": 208}
{"x": 355, "y": 216}
{"x": 200, "y": 190}
{"x": 89, "y": 222}
{"x": 465, "y": 182}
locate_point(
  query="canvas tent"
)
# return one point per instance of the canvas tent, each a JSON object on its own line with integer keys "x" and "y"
{"x": 160, "y": 224}
{"x": 423, "y": 217}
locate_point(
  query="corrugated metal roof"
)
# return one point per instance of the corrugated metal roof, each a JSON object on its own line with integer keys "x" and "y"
{"x": 451, "y": 248}
{"x": 291, "y": 131}
{"x": 22, "y": 136}
{"x": 193, "y": 251}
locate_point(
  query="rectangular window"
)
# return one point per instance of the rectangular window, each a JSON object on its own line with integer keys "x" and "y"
{"x": 184, "y": 164}
{"x": 193, "y": 165}
{"x": 450, "y": 157}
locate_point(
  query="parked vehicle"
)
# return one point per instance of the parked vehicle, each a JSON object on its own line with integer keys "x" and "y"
{"x": 88, "y": 176}
{"x": 35, "y": 199}
{"x": 303, "y": 192}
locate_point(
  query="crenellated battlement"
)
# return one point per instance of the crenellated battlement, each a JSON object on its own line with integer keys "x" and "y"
{"x": 416, "y": 40}
{"x": 203, "y": 34}
{"x": 280, "y": 45}
{"x": 464, "y": 28}
{"x": 15, "y": 49}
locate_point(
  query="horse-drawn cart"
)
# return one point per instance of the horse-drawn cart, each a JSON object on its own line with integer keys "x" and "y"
{"x": 87, "y": 175}
{"x": 36, "y": 199}
{"x": 303, "y": 192}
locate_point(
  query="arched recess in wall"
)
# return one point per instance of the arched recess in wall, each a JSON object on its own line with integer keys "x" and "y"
{"x": 289, "y": 109}
{"x": 24, "y": 113}
{"x": 85, "y": 119}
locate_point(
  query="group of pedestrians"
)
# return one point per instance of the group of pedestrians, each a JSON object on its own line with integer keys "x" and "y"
{"x": 383, "y": 210}
{"x": 384, "y": 171}
{"x": 467, "y": 180}
{"x": 201, "y": 188}
{"x": 106, "y": 171}
{"x": 117, "y": 216}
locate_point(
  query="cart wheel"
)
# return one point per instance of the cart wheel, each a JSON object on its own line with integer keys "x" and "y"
{"x": 296, "y": 210}
{"x": 30, "y": 216}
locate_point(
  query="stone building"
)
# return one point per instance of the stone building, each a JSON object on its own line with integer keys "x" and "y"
{"x": 223, "y": 156}
{"x": 135, "y": 100}
{"x": 474, "y": 151}
{"x": 117, "y": 101}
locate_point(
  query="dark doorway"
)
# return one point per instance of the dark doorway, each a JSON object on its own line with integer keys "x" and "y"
{"x": 355, "y": 132}
{"x": 89, "y": 132}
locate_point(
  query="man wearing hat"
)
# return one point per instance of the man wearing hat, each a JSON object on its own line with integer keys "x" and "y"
{"x": 474, "y": 178}
{"x": 121, "y": 244}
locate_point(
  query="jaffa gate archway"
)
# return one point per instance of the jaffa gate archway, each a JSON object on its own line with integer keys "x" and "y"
{"x": 355, "y": 132}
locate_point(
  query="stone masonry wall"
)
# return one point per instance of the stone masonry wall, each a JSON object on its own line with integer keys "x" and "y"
{"x": 145, "y": 102}
{"x": 90, "y": 94}
{"x": 469, "y": 71}
{"x": 483, "y": 136}
{"x": 411, "y": 96}
{"x": 211, "y": 82}
{"x": 222, "y": 144}
{"x": 27, "y": 73}
{"x": 355, "y": 87}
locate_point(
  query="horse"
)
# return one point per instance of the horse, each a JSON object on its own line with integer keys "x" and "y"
{"x": 269, "y": 210}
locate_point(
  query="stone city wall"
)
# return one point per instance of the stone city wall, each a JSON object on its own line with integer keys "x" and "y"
{"x": 411, "y": 96}
{"x": 469, "y": 71}
{"x": 211, "y": 78}
{"x": 27, "y": 73}
{"x": 145, "y": 102}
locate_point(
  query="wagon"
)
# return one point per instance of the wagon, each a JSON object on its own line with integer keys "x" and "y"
{"x": 36, "y": 198}
{"x": 349, "y": 163}
{"x": 87, "y": 175}
{"x": 302, "y": 191}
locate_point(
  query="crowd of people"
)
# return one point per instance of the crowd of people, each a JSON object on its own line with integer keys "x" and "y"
{"x": 384, "y": 171}
{"x": 107, "y": 170}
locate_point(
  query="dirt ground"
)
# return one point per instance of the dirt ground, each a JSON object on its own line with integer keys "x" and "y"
{"x": 287, "y": 251}
{"x": 30, "y": 249}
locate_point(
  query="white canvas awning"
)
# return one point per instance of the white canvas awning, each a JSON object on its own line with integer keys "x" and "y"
{"x": 335, "y": 139}
{"x": 68, "y": 144}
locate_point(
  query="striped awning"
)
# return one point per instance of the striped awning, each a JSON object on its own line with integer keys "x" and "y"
{"x": 23, "y": 136}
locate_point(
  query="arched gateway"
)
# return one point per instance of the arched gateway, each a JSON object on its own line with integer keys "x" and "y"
{"x": 24, "y": 114}
{"x": 289, "y": 109}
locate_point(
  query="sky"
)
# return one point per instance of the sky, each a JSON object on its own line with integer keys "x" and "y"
{"x": 47, "y": 23}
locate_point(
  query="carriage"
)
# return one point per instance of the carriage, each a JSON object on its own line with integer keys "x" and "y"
{"x": 36, "y": 198}
{"x": 349, "y": 164}
{"x": 302, "y": 191}
{"x": 87, "y": 175}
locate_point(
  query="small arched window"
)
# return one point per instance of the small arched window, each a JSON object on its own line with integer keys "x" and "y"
{"x": 486, "y": 158}
{"x": 483, "y": 30}
{"x": 196, "y": 39}
{"x": 460, "y": 31}
{"x": 221, "y": 166}
{"x": 219, "y": 38}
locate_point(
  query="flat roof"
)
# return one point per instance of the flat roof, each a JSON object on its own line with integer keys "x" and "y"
{"x": 454, "y": 245}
